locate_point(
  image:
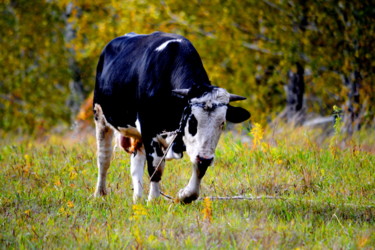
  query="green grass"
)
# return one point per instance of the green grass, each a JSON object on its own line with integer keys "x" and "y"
{"x": 327, "y": 198}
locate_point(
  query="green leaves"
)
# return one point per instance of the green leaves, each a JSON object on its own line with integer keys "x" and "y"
{"x": 246, "y": 46}
{"x": 34, "y": 73}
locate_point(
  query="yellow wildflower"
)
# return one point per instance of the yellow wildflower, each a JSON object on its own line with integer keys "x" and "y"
{"x": 73, "y": 175}
{"x": 57, "y": 182}
{"x": 62, "y": 210}
{"x": 70, "y": 204}
{"x": 257, "y": 132}
{"x": 207, "y": 209}
{"x": 138, "y": 211}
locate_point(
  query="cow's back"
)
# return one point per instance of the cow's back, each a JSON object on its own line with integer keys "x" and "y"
{"x": 136, "y": 73}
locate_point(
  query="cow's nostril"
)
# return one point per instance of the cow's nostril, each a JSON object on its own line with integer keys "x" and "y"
{"x": 206, "y": 161}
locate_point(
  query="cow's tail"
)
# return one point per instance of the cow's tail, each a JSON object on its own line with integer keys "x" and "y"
{"x": 98, "y": 115}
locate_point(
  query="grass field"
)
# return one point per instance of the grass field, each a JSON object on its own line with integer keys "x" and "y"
{"x": 326, "y": 197}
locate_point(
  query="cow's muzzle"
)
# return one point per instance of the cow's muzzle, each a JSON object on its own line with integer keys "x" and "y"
{"x": 204, "y": 161}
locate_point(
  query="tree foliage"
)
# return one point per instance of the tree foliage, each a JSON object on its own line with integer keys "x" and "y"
{"x": 33, "y": 65}
{"x": 247, "y": 47}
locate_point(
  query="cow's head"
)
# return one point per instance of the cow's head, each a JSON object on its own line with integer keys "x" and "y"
{"x": 205, "y": 118}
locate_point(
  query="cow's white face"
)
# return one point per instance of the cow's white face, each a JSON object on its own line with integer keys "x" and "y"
{"x": 205, "y": 125}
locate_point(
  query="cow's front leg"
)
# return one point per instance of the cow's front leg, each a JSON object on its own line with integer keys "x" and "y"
{"x": 104, "y": 135}
{"x": 137, "y": 168}
{"x": 155, "y": 169}
{"x": 191, "y": 191}
{"x": 155, "y": 177}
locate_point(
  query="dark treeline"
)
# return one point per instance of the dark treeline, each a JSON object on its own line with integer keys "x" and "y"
{"x": 321, "y": 52}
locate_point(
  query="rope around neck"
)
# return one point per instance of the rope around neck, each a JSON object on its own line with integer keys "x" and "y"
{"x": 182, "y": 124}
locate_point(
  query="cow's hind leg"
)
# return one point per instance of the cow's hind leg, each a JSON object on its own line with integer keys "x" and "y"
{"x": 104, "y": 136}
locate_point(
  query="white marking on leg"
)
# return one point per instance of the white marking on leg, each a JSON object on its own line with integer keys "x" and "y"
{"x": 154, "y": 190}
{"x": 159, "y": 168}
{"x": 137, "y": 168}
{"x": 156, "y": 160}
{"x": 117, "y": 145}
{"x": 192, "y": 189}
{"x": 165, "y": 44}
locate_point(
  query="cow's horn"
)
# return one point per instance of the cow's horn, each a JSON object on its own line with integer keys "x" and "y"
{"x": 234, "y": 97}
{"x": 183, "y": 92}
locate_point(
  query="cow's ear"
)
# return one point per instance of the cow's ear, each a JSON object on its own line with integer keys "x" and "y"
{"x": 237, "y": 114}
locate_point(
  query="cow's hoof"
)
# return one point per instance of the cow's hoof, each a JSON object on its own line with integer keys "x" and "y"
{"x": 187, "y": 196}
{"x": 152, "y": 198}
{"x": 100, "y": 192}
{"x": 136, "y": 199}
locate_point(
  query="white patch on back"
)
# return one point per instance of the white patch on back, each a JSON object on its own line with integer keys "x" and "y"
{"x": 130, "y": 34}
{"x": 165, "y": 44}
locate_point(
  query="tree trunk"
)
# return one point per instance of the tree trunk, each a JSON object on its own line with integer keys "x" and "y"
{"x": 76, "y": 96}
{"x": 352, "y": 106}
{"x": 295, "y": 89}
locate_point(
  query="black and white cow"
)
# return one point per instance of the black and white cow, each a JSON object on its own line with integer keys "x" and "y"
{"x": 148, "y": 86}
